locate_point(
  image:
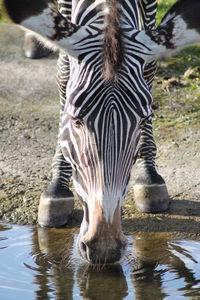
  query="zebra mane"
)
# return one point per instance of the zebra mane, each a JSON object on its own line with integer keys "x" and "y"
{"x": 113, "y": 45}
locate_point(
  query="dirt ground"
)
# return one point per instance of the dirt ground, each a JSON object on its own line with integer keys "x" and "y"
{"x": 29, "y": 110}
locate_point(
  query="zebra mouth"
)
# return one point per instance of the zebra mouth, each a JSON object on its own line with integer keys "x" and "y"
{"x": 100, "y": 254}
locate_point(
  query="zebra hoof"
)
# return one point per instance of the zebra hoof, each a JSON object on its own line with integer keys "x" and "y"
{"x": 33, "y": 48}
{"x": 151, "y": 198}
{"x": 55, "y": 211}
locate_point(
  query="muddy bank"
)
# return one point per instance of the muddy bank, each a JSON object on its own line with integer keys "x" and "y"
{"x": 29, "y": 110}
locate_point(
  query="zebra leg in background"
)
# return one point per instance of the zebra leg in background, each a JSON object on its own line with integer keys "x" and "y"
{"x": 57, "y": 201}
{"x": 150, "y": 191}
{"x": 33, "y": 48}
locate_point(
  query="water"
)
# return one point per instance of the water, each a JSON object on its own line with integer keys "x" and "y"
{"x": 37, "y": 263}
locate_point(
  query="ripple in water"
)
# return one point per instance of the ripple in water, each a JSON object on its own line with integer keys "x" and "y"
{"x": 38, "y": 263}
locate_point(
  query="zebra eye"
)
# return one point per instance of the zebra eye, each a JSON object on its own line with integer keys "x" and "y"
{"x": 76, "y": 122}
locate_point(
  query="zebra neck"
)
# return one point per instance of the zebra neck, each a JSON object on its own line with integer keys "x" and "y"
{"x": 113, "y": 45}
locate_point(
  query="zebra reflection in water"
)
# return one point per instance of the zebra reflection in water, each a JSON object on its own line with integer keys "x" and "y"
{"x": 155, "y": 260}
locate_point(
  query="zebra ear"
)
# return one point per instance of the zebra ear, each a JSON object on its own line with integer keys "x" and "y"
{"x": 43, "y": 18}
{"x": 179, "y": 28}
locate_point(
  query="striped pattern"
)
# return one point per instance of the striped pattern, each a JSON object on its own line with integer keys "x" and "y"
{"x": 112, "y": 47}
{"x": 147, "y": 150}
{"x": 101, "y": 114}
{"x": 61, "y": 170}
{"x": 148, "y": 10}
{"x": 102, "y": 121}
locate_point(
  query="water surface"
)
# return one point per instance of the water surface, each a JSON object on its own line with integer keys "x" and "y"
{"x": 38, "y": 263}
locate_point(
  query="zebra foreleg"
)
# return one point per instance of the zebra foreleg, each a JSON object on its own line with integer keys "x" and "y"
{"x": 150, "y": 191}
{"x": 57, "y": 201}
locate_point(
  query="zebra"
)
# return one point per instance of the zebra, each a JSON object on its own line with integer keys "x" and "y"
{"x": 149, "y": 182}
{"x": 112, "y": 55}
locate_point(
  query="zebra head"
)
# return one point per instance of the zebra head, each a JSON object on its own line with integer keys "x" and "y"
{"x": 108, "y": 99}
{"x": 108, "y": 102}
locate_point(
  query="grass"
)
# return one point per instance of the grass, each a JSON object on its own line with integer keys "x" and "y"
{"x": 1, "y": 12}
{"x": 3, "y": 17}
{"x": 163, "y": 6}
{"x": 177, "y": 85}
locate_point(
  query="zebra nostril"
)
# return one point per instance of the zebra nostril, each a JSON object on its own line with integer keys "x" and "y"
{"x": 83, "y": 250}
{"x": 83, "y": 247}
{"x": 87, "y": 251}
